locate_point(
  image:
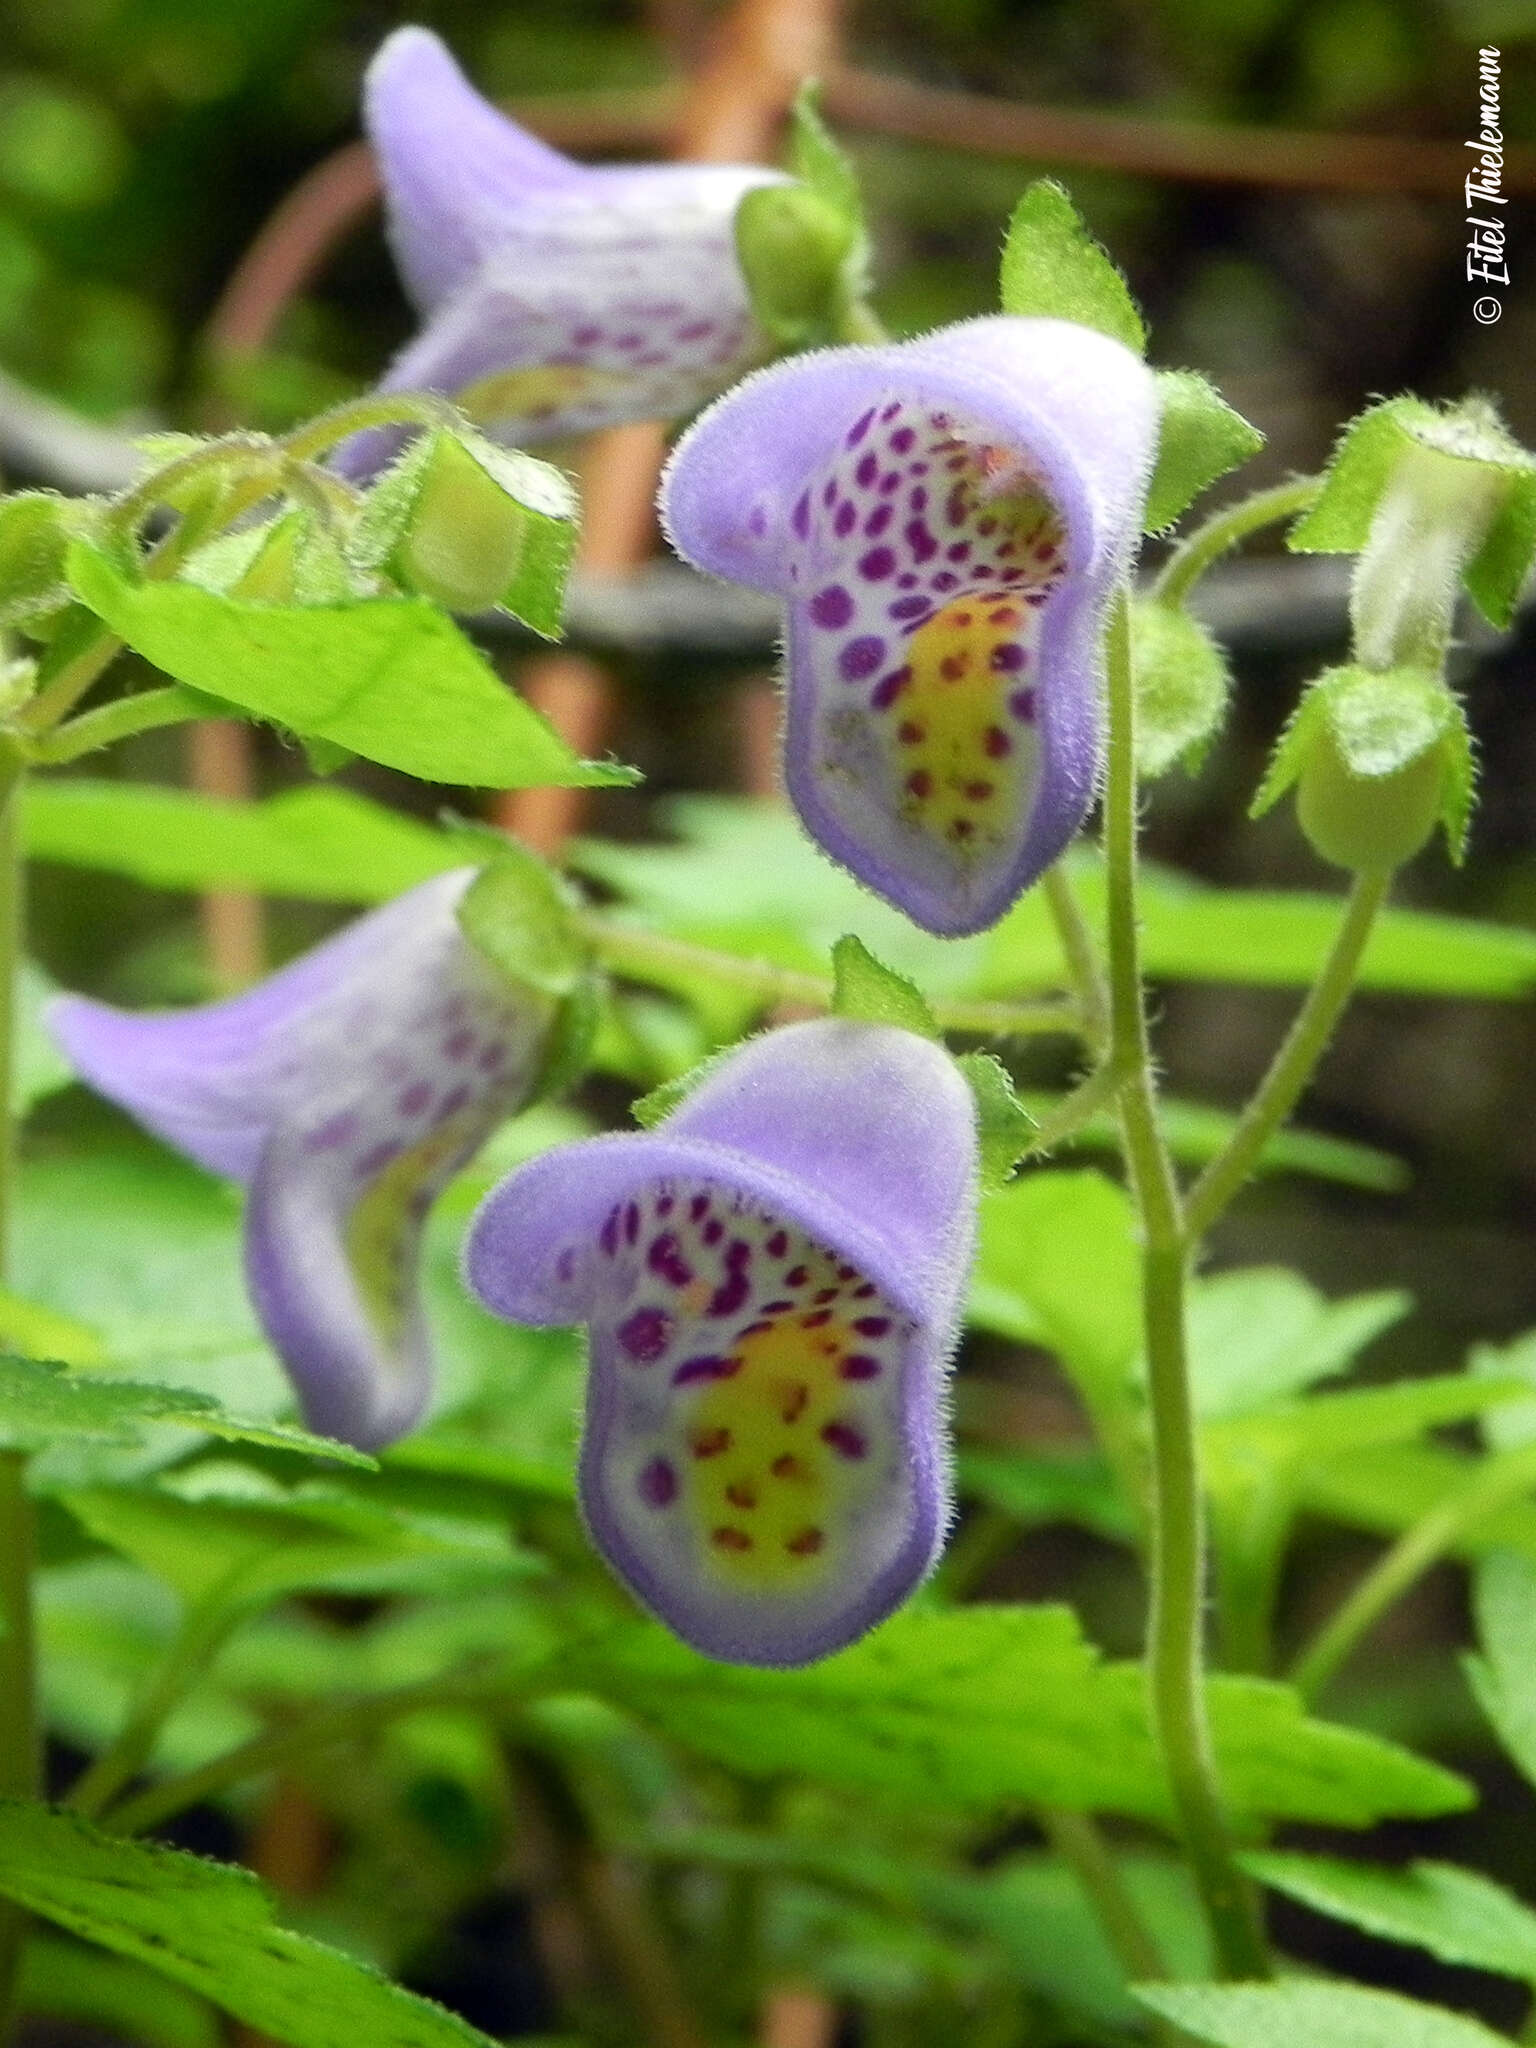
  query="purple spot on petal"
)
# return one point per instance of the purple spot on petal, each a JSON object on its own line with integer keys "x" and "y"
{"x": 859, "y": 428}
{"x": 846, "y": 519}
{"x": 666, "y": 1258}
{"x": 696, "y": 330}
{"x": 413, "y": 1100}
{"x": 868, "y": 469}
{"x": 565, "y": 1266}
{"x": 877, "y": 564}
{"x": 910, "y": 607}
{"x": 922, "y": 543}
{"x": 901, "y": 440}
{"x": 878, "y": 521}
{"x": 859, "y": 1366}
{"x": 710, "y": 1367}
{"x": 889, "y": 688}
{"x": 958, "y": 552}
{"x": 697, "y": 1206}
{"x": 608, "y": 1236}
{"x": 587, "y": 337}
{"x": 800, "y": 518}
{"x": 644, "y": 1336}
{"x": 946, "y": 580}
{"x": 861, "y": 657}
{"x": 375, "y": 1160}
{"x": 657, "y": 1484}
{"x": 335, "y": 1132}
{"x": 459, "y": 1045}
{"x": 757, "y": 522}
{"x": 1006, "y": 657}
{"x": 919, "y": 499}
{"x": 832, "y": 607}
{"x": 631, "y": 1222}
{"x": 843, "y": 1438}
{"x": 1022, "y": 705}
{"x": 889, "y": 482}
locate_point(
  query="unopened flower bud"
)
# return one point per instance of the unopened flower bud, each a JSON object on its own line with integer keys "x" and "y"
{"x": 1182, "y": 684}
{"x": 1378, "y": 758}
{"x": 36, "y": 528}
{"x": 793, "y": 247}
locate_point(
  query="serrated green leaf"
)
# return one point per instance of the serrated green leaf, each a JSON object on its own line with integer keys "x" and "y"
{"x": 870, "y": 993}
{"x": 1496, "y": 574}
{"x": 1062, "y": 1245}
{"x": 1201, "y": 437}
{"x": 209, "y": 1927}
{"x": 228, "y": 1532}
{"x": 43, "y": 1402}
{"x": 1458, "y": 1915}
{"x": 982, "y": 1707}
{"x": 1318, "y": 2015}
{"x": 1004, "y": 1127}
{"x": 1294, "y": 1433}
{"x": 393, "y": 679}
{"x": 1053, "y": 267}
{"x": 1038, "y": 1488}
{"x": 1339, "y": 519}
{"x": 324, "y": 845}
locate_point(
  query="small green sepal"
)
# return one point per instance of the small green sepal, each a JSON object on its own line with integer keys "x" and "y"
{"x": 1378, "y": 758}
{"x": 1053, "y": 268}
{"x": 1200, "y": 438}
{"x": 793, "y": 249}
{"x": 1182, "y": 686}
{"x": 1005, "y": 1130}
{"x": 864, "y": 989}
{"x": 36, "y": 528}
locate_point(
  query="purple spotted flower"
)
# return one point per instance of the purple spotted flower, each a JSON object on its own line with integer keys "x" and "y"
{"x": 946, "y": 520}
{"x": 771, "y": 1279}
{"x": 554, "y": 298}
{"x": 344, "y": 1091}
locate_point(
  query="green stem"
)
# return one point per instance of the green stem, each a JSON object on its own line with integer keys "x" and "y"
{"x": 121, "y": 720}
{"x": 649, "y": 957}
{"x": 1075, "y": 1110}
{"x": 64, "y": 689}
{"x": 1076, "y": 1839}
{"x": 384, "y": 409}
{"x": 1175, "y": 1647}
{"x": 1497, "y": 1483}
{"x": 201, "y": 1635}
{"x": 1082, "y": 954}
{"x": 1291, "y": 1068}
{"x": 339, "y": 1722}
{"x": 1223, "y": 530}
{"x": 20, "y": 1745}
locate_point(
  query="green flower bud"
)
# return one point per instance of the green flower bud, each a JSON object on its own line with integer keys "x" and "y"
{"x": 471, "y": 525}
{"x": 36, "y": 528}
{"x": 793, "y": 247}
{"x": 1182, "y": 685}
{"x": 1378, "y": 759}
{"x": 292, "y": 559}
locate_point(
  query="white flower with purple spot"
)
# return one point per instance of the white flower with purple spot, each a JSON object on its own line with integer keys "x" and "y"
{"x": 946, "y": 520}
{"x": 772, "y": 1281}
{"x": 345, "y": 1092}
{"x": 554, "y": 298}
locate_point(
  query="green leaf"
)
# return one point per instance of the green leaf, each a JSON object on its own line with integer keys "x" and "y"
{"x": 1200, "y": 439}
{"x": 1263, "y": 1332}
{"x": 42, "y": 1402}
{"x": 324, "y": 845}
{"x": 1504, "y": 1677}
{"x": 1004, "y": 1127}
{"x": 1390, "y": 1487}
{"x": 1059, "y": 1249}
{"x": 1458, "y": 1915}
{"x": 817, "y": 160}
{"x": 228, "y": 1532}
{"x": 1037, "y": 1488}
{"x": 870, "y": 993}
{"x": 982, "y": 1707}
{"x": 1512, "y": 1423}
{"x": 1053, "y": 266}
{"x": 210, "y": 1928}
{"x": 393, "y": 679}
{"x": 1317, "y": 2015}
{"x": 1294, "y": 1433}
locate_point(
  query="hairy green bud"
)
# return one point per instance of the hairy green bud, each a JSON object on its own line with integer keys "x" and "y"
{"x": 1182, "y": 685}
{"x": 794, "y": 248}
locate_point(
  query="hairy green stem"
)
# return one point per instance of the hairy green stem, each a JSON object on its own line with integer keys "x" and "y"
{"x": 20, "y": 1746}
{"x": 1076, "y": 1839}
{"x": 1076, "y": 1109}
{"x": 379, "y": 409}
{"x": 1082, "y": 955}
{"x": 1225, "y": 529}
{"x": 1291, "y": 1068}
{"x": 1493, "y": 1486}
{"x": 650, "y": 957}
{"x": 120, "y": 720}
{"x": 1175, "y": 1646}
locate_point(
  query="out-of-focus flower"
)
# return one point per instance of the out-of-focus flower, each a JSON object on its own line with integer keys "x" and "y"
{"x": 946, "y": 519}
{"x": 772, "y": 1278}
{"x": 554, "y": 298}
{"x": 345, "y": 1092}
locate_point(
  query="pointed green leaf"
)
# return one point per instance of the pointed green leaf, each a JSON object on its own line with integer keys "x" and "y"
{"x": 869, "y": 993}
{"x": 1504, "y": 1677}
{"x": 1053, "y": 267}
{"x": 1005, "y": 1129}
{"x": 1458, "y": 1915}
{"x": 391, "y": 678}
{"x": 1200, "y": 439}
{"x": 1316, "y": 2015}
{"x": 818, "y": 160}
{"x": 210, "y": 1928}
